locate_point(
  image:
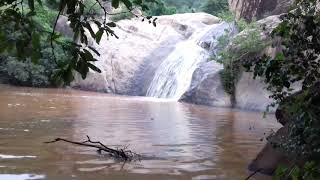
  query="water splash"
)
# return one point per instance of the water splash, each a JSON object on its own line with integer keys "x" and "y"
{"x": 173, "y": 77}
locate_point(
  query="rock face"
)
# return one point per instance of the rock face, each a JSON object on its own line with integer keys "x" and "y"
{"x": 129, "y": 63}
{"x": 258, "y": 9}
{"x": 63, "y": 27}
{"x": 269, "y": 158}
{"x": 250, "y": 94}
{"x": 206, "y": 87}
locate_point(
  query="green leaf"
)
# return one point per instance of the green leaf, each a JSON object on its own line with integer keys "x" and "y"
{"x": 94, "y": 50}
{"x": 115, "y": 3}
{"x": 39, "y": 2}
{"x": 88, "y": 26}
{"x": 280, "y": 57}
{"x": 88, "y": 55}
{"x": 31, "y": 13}
{"x": 35, "y": 40}
{"x": 99, "y": 35}
{"x": 31, "y": 4}
{"x": 112, "y": 24}
{"x": 93, "y": 67}
{"x": 127, "y": 3}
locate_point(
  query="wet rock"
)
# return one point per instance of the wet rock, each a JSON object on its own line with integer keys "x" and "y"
{"x": 251, "y": 94}
{"x": 129, "y": 63}
{"x": 269, "y": 158}
{"x": 206, "y": 87}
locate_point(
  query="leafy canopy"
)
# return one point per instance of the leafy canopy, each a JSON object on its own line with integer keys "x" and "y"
{"x": 23, "y": 35}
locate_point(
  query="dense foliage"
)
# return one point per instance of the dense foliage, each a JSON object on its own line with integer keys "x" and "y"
{"x": 166, "y": 7}
{"x": 214, "y": 7}
{"x": 25, "y": 33}
{"x": 234, "y": 49}
{"x": 161, "y": 8}
{"x": 246, "y": 45}
{"x": 297, "y": 63}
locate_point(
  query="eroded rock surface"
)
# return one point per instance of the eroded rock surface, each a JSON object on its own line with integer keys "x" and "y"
{"x": 250, "y": 94}
{"x": 258, "y": 9}
{"x": 206, "y": 87}
{"x": 129, "y": 62}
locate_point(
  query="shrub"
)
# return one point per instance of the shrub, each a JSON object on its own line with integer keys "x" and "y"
{"x": 29, "y": 73}
{"x": 161, "y": 8}
{"x": 241, "y": 47}
{"x": 214, "y": 7}
{"x": 230, "y": 17}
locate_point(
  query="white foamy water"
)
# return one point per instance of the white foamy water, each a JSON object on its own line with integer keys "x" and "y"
{"x": 173, "y": 77}
{"x": 4, "y": 156}
{"x": 21, "y": 176}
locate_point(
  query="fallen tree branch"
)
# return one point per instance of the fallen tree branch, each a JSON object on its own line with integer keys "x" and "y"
{"x": 252, "y": 174}
{"x": 120, "y": 154}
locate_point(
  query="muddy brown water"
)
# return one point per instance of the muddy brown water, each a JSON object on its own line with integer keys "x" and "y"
{"x": 181, "y": 141}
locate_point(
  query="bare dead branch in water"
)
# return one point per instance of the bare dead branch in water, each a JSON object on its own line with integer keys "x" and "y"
{"x": 252, "y": 174}
{"x": 119, "y": 153}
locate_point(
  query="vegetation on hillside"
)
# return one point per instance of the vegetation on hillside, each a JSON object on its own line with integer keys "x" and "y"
{"x": 28, "y": 33}
{"x": 232, "y": 50}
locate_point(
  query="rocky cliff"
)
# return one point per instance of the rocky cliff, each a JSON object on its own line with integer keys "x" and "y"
{"x": 250, "y": 94}
{"x": 128, "y": 63}
{"x": 258, "y": 9}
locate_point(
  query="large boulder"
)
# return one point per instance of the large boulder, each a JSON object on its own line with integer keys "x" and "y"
{"x": 250, "y": 94}
{"x": 129, "y": 63}
{"x": 206, "y": 87}
{"x": 269, "y": 158}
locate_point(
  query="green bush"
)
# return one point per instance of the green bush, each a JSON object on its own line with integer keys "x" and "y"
{"x": 25, "y": 73}
{"x": 230, "y": 17}
{"x": 89, "y": 5}
{"x": 214, "y": 7}
{"x": 161, "y": 8}
{"x": 45, "y": 17}
{"x": 29, "y": 73}
{"x": 241, "y": 47}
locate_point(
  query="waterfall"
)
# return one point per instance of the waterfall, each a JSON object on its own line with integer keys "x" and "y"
{"x": 173, "y": 77}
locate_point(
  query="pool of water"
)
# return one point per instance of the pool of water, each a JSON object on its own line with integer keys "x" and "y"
{"x": 182, "y": 141}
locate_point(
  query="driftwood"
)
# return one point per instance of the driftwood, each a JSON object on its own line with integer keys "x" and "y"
{"x": 121, "y": 154}
{"x": 252, "y": 174}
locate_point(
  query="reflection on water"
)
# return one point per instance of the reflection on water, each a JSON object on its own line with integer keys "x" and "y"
{"x": 181, "y": 141}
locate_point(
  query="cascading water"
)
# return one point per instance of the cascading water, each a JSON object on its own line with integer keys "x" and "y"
{"x": 173, "y": 77}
